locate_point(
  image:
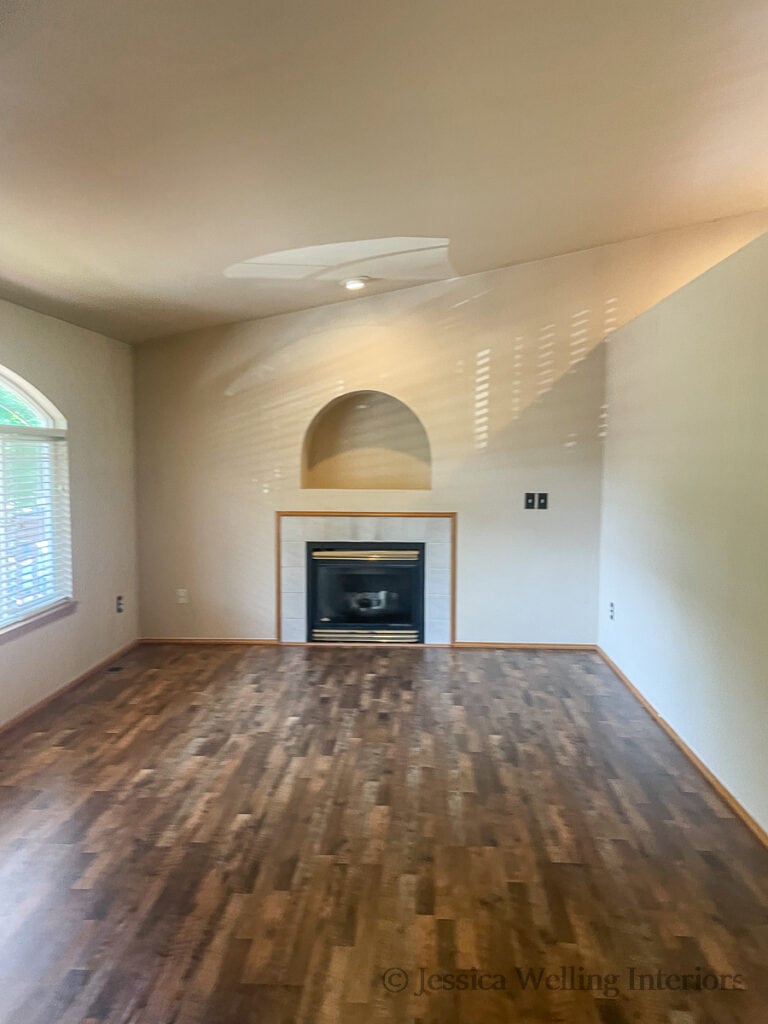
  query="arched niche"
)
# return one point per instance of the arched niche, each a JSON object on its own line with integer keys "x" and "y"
{"x": 367, "y": 440}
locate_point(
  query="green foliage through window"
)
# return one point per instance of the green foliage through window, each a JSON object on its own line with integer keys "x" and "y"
{"x": 17, "y": 411}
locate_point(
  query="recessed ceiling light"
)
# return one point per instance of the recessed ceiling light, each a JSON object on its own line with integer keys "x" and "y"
{"x": 354, "y": 284}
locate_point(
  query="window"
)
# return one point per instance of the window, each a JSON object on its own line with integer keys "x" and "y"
{"x": 35, "y": 547}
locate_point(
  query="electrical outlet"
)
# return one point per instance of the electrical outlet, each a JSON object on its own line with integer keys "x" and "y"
{"x": 182, "y": 596}
{"x": 611, "y": 611}
{"x": 542, "y": 501}
{"x": 119, "y": 607}
{"x": 530, "y": 499}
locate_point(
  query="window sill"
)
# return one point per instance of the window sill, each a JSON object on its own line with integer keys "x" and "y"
{"x": 41, "y": 617}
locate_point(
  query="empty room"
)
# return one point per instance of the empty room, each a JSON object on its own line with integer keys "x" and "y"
{"x": 383, "y": 512}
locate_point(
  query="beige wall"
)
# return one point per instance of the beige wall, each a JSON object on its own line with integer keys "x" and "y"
{"x": 503, "y": 369}
{"x": 685, "y": 517}
{"x": 89, "y": 378}
{"x": 366, "y": 440}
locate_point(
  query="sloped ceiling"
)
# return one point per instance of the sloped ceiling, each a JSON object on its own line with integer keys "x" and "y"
{"x": 149, "y": 148}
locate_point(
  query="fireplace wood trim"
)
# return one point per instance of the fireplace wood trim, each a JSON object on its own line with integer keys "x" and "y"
{"x": 452, "y": 516}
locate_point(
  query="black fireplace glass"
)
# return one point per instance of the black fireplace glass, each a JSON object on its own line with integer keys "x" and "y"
{"x": 366, "y": 591}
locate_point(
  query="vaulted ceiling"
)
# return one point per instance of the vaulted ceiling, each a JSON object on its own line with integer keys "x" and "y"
{"x": 148, "y": 147}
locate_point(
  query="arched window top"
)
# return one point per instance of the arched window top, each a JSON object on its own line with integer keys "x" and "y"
{"x": 35, "y": 542}
{"x": 22, "y": 405}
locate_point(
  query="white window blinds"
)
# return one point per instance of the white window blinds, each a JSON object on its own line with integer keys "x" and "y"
{"x": 35, "y": 546}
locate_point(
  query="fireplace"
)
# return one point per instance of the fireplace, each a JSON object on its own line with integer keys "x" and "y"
{"x": 365, "y": 592}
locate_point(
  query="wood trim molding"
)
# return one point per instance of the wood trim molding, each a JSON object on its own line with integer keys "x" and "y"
{"x": 375, "y": 515}
{"x": 465, "y": 644}
{"x": 41, "y": 618}
{"x": 211, "y": 641}
{"x": 279, "y": 574}
{"x": 452, "y": 516}
{"x": 73, "y": 684}
{"x": 490, "y": 644}
{"x": 454, "y": 571}
{"x": 725, "y": 794}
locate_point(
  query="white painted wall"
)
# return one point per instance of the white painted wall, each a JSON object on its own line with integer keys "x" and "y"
{"x": 89, "y": 378}
{"x": 221, "y": 416}
{"x": 684, "y": 550}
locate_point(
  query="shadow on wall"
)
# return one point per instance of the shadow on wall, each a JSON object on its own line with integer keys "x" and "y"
{"x": 565, "y": 423}
{"x": 560, "y": 431}
{"x": 472, "y": 374}
{"x": 366, "y": 440}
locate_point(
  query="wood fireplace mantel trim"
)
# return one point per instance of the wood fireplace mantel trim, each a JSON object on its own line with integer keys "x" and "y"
{"x": 452, "y": 516}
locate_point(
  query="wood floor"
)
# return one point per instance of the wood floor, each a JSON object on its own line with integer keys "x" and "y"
{"x": 233, "y": 835}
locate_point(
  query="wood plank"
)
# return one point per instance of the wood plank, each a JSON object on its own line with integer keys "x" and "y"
{"x": 232, "y": 834}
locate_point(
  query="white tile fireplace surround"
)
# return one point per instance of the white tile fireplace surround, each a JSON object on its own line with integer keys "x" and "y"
{"x": 435, "y": 531}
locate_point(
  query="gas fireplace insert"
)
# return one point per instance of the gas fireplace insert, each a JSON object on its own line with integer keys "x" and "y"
{"x": 365, "y": 592}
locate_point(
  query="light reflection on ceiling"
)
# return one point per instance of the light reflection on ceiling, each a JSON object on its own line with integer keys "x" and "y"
{"x": 403, "y": 259}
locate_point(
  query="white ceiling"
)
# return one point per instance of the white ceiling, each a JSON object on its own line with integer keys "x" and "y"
{"x": 147, "y": 146}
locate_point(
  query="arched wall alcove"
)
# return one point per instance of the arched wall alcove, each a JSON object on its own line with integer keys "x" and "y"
{"x": 367, "y": 440}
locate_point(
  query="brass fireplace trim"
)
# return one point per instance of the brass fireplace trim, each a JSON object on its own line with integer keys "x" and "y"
{"x": 452, "y": 516}
{"x": 368, "y": 636}
{"x": 392, "y": 555}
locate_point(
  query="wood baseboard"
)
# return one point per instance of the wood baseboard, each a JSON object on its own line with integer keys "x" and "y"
{"x": 467, "y": 644}
{"x": 209, "y": 641}
{"x": 696, "y": 761}
{"x": 28, "y": 712}
{"x": 523, "y": 647}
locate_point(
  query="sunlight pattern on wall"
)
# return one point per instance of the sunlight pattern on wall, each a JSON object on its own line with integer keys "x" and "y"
{"x": 611, "y": 318}
{"x": 579, "y": 336}
{"x": 545, "y": 364}
{"x": 602, "y": 430}
{"x": 271, "y": 463}
{"x": 517, "y": 376}
{"x": 482, "y": 398}
{"x": 536, "y": 359}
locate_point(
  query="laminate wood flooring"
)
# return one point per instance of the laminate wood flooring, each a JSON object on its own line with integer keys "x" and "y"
{"x": 265, "y": 835}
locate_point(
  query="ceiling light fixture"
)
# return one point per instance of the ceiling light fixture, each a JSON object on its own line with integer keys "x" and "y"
{"x": 354, "y": 284}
